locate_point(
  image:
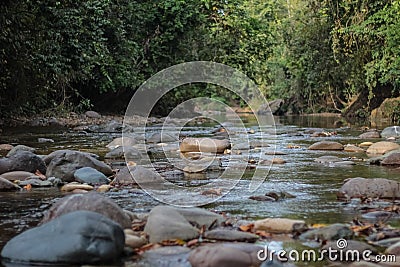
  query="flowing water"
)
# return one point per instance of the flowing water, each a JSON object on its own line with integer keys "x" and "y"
{"x": 313, "y": 184}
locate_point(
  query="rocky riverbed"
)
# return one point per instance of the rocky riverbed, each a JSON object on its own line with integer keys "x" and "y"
{"x": 85, "y": 194}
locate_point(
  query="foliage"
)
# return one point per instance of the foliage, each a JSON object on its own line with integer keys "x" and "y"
{"x": 319, "y": 55}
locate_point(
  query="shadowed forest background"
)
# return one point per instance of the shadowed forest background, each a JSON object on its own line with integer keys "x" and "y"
{"x": 319, "y": 56}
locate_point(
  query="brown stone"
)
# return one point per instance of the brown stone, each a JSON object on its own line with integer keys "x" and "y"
{"x": 326, "y": 145}
{"x": 204, "y": 145}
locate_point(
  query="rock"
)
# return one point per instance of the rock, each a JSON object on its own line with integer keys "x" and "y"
{"x": 262, "y": 198}
{"x": 121, "y": 141}
{"x": 22, "y": 161}
{"x": 241, "y": 146}
{"x": 351, "y": 245}
{"x": 280, "y": 225}
{"x": 204, "y": 145}
{"x": 327, "y": 159}
{"x": 382, "y": 147}
{"x": 124, "y": 152}
{"x": 109, "y": 127}
{"x": 64, "y": 163}
{"x": 194, "y": 168}
{"x": 378, "y": 215}
{"x": 104, "y": 188}
{"x": 45, "y": 140}
{"x": 165, "y": 223}
{"x": 75, "y": 238}
{"x": 230, "y": 235}
{"x": 326, "y": 145}
{"x": 387, "y": 242}
{"x": 92, "y": 114}
{"x": 331, "y": 232}
{"x": 273, "y": 107}
{"x": 6, "y": 185}
{"x": 137, "y": 174}
{"x": 394, "y": 249}
{"x": 36, "y": 182}
{"x": 225, "y": 255}
{"x": 370, "y": 135}
{"x": 59, "y": 153}
{"x": 392, "y": 159}
{"x": 279, "y": 195}
{"x": 6, "y": 147}
{"x": 169, "y": 256}
{"x": 92, "y": 202}
{"x": 90, "y": 176}
{"x": 17, "y": 148}
{"x": 17, "y": 175}
{"x": 161, "y": 138}
{"x": 353, "y": 148}
{"x": 366, "y": 144}
{"x": 135, "y": 241}
{"x": 74, "y": 186}
{"x": 278, "y": 161}
{"x": 370, "y": 188}
{"x": 392, "y": 131}
{"x": 200, "y": 217}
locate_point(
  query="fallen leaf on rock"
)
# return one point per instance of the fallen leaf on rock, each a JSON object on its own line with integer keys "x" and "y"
{"x": 173, "y": 242}
{"x": 28, "y": 187}
{"x": 362, "y": 228}
{"x": 191, "y": 243}
{"x": 247, "y": 227}
{"x": 318, "y": 225}
{"x": 40, "y": 175}
{"x": 263, "y": 234}
{"x": 147, "y": 247}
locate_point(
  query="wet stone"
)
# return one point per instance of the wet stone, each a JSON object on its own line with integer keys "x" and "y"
{"x": 230, "y": 235}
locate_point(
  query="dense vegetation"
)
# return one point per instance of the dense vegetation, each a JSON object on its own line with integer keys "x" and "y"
{"x": 324, "y": 55}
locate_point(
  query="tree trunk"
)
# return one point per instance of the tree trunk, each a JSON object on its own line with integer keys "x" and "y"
{"x": 362, "y": 103}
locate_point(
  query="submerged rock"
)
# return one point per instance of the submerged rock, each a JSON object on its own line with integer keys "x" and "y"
{"x": 326, "y": 145}
{"x": 370, "y": 188}
{"x": 79, "y": 237}
{"x": 392, "y": 159}
{"x": 137, "y": 175}
{"x": 92, "y": 202}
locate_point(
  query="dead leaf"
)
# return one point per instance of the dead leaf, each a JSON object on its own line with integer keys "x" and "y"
{"x": 40, "y": 175}
{"x": 247, "y": 228}
{"x": 28, "y": 187}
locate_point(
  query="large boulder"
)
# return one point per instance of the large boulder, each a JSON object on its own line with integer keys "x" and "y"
{"x": 90, "y": 201}
{"x": 382, "y": 147}
{"x": 392, "y": 131}
{"x": 80, "y": 237}
{"x": 63, "y": 164}
{"x": 204, "y": 145}
{"x": 165, "y": 223}
{"x": 22, "y": 161}
{"x": 370, "y": 188}
{"x": 90, "y": 175}
{"x": 6, "y": 185}
{"x": 326, "y": 145}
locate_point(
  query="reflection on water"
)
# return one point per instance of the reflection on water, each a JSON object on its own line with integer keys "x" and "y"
{"x": 313, "y": 184}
